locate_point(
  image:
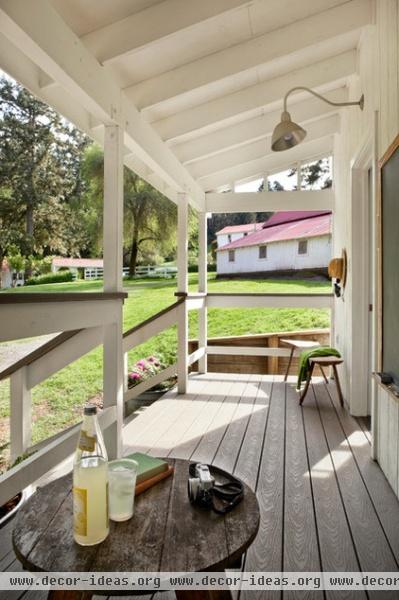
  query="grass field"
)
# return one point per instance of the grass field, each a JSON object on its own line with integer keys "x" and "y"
{"x": 58, "y": 402}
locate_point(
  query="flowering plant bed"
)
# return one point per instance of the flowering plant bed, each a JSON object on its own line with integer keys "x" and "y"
{"x": 145, "y": 369}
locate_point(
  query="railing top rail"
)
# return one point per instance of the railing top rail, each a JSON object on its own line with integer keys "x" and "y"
{"x": 26, "y": 298}
{"x": 38, "y": 353}
{"x": 261, "y": 336}
{"x": 153, "y": 318}
{"x": 279, "y": 295}
{"x": 190, "y": 295}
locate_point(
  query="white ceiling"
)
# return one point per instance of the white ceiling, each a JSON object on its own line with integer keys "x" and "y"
{"x": 209, "y": 76}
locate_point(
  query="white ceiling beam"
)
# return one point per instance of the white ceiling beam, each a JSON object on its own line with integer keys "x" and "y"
{"x": 255, "y": 128}
{"x": 14, "y": 62}
{"x": 261, "y": 148}
{"x": 153, "y": 24}
{"x": 39, "y": 31}
{"x": 307, "y": 33}
{"x": 278, "y": 161}
{"x": 222, "y": 111}
{"x": 232, "y": 202}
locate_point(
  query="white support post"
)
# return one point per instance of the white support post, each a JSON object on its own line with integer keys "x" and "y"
{"x": 125, "y": 371}
{"x": 20, "y": 414}
{"x": 182, "y": 286}
{"x": 203, "y": 287}
{"x": 298, "y": 176}
{"x": 113, "y": 249}
{"x": 113, "y": 209}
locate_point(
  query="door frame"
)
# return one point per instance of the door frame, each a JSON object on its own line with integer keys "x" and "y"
{"x": 363, "y": 215}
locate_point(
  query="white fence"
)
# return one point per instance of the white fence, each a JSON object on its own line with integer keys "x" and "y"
{"x": 141, "y": 271}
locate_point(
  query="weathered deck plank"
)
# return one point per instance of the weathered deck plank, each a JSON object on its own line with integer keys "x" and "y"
{"x": 266, "y": 552}
{"x": 371, "y": 544}
{"x": 301, "y": 549}
{"x": 337, "y": 552}
{"x": 381, "y": 493}
{"x": 324, "y": 503}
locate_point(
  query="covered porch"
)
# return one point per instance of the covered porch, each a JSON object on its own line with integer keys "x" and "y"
{"x": 324, "y": 503}
{"x": 189, "y": 103}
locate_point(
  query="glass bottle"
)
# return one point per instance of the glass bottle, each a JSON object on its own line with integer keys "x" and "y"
{"x": 90, "y": 483}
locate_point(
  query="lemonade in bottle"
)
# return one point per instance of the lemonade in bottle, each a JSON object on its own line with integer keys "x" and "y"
{"x": 90, "y": 483}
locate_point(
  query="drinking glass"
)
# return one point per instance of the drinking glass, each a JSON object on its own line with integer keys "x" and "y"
{"x": 122, "y": 474}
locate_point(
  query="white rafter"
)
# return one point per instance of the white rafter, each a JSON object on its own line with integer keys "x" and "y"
{"x": 275, "y": 162}
{"x": 323, "y": 75}
{"x": 305, "y": 35}
{"x": 79, "y": 72}
{"x": 153, "y": 24}
{"x": 259, "y": 149}
{"x": 256, "y": 128}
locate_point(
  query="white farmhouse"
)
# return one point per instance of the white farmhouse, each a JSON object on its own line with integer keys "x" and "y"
{"x": 288, "y": 242}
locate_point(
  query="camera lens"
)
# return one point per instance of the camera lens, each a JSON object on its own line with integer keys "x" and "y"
{"x": 193, "y": 484}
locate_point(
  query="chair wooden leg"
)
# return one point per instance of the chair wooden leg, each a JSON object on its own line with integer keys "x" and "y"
{"x": 289, "y": 364}
{"x": 338, "y": 384}
{"x": 324, "y": 375}
{"x": 305, "y": 389}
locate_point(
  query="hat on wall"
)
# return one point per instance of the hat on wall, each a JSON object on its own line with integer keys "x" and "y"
{"x": 337, "y": 268}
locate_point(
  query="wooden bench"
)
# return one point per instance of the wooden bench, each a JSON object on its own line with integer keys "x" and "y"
{"x": 324, "y": 361}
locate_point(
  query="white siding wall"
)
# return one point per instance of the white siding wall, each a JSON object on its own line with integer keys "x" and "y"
{"x": 223, "y": 238}
{"x": 280, "y": 256}
{"x": 378, "y": 79}
{"x": 6, "y": 279}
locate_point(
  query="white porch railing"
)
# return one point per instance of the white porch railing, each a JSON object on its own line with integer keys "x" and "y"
{"x": 85, "y": 319}
{"x": 100, "y": 310}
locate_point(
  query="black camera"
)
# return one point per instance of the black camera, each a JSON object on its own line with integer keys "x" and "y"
{"x": 200, "y": 486}
{"x": 204, "y": 491}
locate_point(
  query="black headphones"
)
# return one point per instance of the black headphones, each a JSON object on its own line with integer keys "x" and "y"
{"x": 203, "y": 494}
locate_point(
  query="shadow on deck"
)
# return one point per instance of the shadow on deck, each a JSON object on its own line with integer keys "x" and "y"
{"x": 325, "y": 505}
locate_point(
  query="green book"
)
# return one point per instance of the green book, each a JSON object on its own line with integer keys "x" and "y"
{"x": 148, "y": 466}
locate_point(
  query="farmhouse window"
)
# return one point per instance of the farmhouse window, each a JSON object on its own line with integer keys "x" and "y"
{"x": 232, "y": 256}
{"x": 262, "y": 251}
{"x": 229, "y": 238}
{"x": 303, "y": 247}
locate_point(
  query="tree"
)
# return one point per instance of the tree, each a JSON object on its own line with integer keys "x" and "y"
{"x": 40, "y": 181}
{"x": 149, "y": 217}
{"x": 316, "y": 175}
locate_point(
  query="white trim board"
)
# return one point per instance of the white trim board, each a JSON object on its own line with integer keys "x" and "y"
{"x": 230, "y": 202}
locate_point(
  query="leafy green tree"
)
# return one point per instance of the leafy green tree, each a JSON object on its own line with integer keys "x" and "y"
{"x": 149, "y": 217}
{"x": 40, "y": 181}
{"x": 316, "y": 175}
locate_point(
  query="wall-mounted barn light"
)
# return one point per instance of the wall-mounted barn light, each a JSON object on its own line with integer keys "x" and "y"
{"x": 287, "y": 133}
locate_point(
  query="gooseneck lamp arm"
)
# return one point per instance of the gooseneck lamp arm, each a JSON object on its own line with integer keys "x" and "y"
{"x": 287, "y": 133}
{"x": 359, "y": 103}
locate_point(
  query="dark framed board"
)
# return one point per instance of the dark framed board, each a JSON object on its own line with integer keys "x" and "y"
{"x": 388, "y": 261}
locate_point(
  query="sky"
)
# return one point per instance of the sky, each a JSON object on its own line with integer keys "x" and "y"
{"x": 252, "y": 186}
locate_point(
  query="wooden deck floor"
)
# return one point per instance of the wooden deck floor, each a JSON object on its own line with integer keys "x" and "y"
{"x": 325, "y": 505}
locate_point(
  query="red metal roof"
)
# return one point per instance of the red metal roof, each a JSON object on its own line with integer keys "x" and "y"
{"x": 247, "y": 227}
{"x": 289, "y": 215}
{"x": 294, "y": 230}
{"x": 60, "y": 261}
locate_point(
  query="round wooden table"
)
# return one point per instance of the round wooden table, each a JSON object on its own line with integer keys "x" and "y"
{"x": 166, "y": 533}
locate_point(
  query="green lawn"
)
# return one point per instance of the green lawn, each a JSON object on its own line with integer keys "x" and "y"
{"x": 58, "y": 401}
